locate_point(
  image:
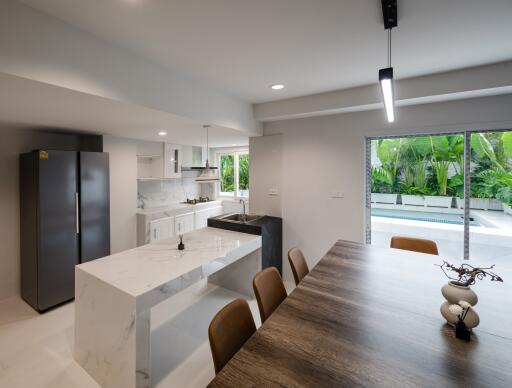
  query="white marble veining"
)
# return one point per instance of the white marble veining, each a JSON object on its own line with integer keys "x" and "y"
{"x": 142, "y": 269}
{"x": 114, "y": 296}
{"x": 154, "y": 193}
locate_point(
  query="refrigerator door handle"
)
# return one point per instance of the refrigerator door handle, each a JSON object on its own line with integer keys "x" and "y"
{"x": 77, "y": 213}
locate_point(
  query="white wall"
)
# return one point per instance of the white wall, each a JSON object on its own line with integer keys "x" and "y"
{"x": 322, "y": 154}
{"x": 38, "y": 46}
{"x": 123, "y": 192}
{"x": 265, "y": 172}
{"x": 13, "y": 142}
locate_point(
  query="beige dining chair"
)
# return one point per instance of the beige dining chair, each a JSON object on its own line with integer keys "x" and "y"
{"x": 229, "y": 330}
{"x": 414, "y": 244}
{"x": 298, "y": 264}
{"x": 269, "y": 290}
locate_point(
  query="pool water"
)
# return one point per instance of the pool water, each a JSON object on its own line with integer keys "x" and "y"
{"x": 443, "y": 218}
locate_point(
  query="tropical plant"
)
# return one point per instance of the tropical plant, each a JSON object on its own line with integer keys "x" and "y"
{"x": 388, "y": 152}
{"x": 505, "y": 195}
{"x": 506, "y": 139}
{"x": 382, "y": 180}
{"x": 456, "y": 185}
{"x": 434, "y": 165}
{"x": 227, "y": 173}
{"x": 243, "y": 172}
{"x": 483, "y": 149}
{"x": 442, "y": 153}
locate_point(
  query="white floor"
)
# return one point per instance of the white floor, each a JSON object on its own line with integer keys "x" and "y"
{"x": 36, "y": 350}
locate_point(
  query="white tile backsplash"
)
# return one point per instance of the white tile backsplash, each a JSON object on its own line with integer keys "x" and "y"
{"x": 156, "y": 193}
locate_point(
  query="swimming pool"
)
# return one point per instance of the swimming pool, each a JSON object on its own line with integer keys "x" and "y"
{"x": 443, "y": 218}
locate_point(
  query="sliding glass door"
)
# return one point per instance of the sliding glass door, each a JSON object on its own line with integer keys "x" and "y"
{"x": 419, "y": 186}
{"x": 413, "y": 182}
{"x": 490, "y": 237}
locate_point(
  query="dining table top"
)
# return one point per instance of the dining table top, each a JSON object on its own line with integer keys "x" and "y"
{"x": 369, "y": 316}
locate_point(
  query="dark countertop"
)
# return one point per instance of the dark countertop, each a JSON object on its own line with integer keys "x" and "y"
{"x": 268, "y": 227}
{"x": 251, "y": 227}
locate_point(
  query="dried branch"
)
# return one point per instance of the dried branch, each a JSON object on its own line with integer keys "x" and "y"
{"x": 467, "y": 274}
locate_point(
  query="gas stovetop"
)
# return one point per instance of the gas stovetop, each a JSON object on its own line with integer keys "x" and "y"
{"x": 195, "y": 201}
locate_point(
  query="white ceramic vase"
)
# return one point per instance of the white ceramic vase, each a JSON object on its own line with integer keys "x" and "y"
{"x": 453, "y": 295}
{"x": 471, "y": 320}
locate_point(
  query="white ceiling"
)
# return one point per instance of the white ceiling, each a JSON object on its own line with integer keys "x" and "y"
{"x": 31, "y": 104}
{"x": 243, "y": 46}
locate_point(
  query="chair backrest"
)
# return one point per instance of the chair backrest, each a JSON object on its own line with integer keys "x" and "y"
{"x": 414, "y": 244}
{"x": 298, "y": 264}
{"x": 229, "y": 330}
{"x": 269, "y": 290}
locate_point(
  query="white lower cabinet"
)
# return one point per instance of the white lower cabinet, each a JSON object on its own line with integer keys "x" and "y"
{"x": 202, "y": 216}
{"x": 161, "y": 229}
{"x": 184, "y": 223}
{"x": 171, "y": 225}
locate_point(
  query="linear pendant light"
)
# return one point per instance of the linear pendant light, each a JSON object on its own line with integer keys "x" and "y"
{"x": 389, "y": 13}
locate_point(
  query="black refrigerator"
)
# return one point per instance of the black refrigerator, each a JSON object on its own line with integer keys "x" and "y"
{"x": 64, "y": 221}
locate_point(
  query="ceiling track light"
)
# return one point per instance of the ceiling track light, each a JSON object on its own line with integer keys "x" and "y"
{"x": 389, "y": 14}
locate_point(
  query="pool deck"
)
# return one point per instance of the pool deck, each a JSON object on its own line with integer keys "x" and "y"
{"x": 492, "y": 239}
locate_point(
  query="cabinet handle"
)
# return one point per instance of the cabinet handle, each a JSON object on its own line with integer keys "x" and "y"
{"x": 154, "y": 234}
{"x": 77, "y": 214}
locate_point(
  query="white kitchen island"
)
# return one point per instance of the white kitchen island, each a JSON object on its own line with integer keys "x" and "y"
{"x": 114, "y": 296}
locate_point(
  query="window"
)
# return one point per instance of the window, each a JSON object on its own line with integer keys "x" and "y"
{"x": 234, "y": 174}
{"x": 453, "y": 188}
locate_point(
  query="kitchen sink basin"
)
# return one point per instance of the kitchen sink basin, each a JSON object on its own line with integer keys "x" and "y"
{"x": 241, "y": 218}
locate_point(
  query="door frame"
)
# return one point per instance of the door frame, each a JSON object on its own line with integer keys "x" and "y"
{"x": 467, "y": 176}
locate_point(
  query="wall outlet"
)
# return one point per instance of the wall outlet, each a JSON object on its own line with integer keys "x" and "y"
{"x": 273, "y": 191}
{"x": 337, "y": 194}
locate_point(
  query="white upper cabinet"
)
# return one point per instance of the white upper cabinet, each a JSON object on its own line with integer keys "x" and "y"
{"x": 150, "y": 160}
{"x": 158, "y": 160}
{"x": 172, "y": 160}
{"x": 150, "y": 149}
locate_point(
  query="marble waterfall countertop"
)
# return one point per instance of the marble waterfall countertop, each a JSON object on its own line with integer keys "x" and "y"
{"x": 142, "y": 269}
{"x": 114, "y": 296}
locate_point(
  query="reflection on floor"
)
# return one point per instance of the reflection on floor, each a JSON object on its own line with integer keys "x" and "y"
{"x": 36, "y": 350}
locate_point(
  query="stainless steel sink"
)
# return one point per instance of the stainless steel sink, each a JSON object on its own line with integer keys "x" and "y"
{"x": 241, "y": 218}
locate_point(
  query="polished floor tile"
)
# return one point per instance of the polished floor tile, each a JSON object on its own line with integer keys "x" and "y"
{"x": 36, "y": 350}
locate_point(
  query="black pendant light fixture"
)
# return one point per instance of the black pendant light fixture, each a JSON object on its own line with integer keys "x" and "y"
{"x": 389, "y": 14}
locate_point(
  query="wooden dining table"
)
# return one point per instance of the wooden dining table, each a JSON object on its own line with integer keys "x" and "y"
{"x": 369, "y": 316}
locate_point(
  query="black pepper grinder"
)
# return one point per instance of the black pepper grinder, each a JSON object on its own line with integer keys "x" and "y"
{"x": 181, "y": 246}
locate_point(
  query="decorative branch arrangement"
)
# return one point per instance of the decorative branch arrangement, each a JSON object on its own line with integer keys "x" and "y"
{"x": 467, "y": 274}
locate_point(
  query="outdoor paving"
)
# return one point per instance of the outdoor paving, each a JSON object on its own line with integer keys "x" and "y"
{"x": 489, "y": 244}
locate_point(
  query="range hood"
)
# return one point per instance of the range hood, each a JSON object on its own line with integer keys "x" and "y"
{"x": 208, "y": 174}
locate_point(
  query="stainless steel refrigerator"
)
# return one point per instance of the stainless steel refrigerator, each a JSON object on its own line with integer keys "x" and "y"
{"x": 64, "y": 221}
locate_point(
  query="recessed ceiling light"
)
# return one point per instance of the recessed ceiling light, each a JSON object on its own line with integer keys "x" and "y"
{"x": 233, "y": 145}
{"x": 162, "y": 133}
{"x": 277, "y": 87}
